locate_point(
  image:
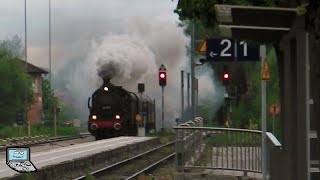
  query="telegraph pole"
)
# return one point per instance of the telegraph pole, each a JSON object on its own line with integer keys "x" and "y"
{"x": 26, "y": 61}
{"x": 50, "y": 43}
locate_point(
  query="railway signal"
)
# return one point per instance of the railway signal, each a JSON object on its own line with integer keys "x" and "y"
{"x": 162, "y": 83}
{"x": 19, "y": 118}
{"x": 162, "y": 78}
{"x": 225, "y": 76}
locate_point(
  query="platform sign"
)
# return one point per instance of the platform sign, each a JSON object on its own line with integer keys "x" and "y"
{"x": 221, "y": 50}
{"x": 247, "y": 52}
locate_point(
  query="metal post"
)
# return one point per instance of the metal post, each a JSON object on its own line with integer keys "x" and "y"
{"x": 182, "y": 93}
{"x": 308, "y": 102}
{"x": 50, "y": 81}
{"x": 188, "y": 90}
{"x": 154, "y": 112}
{"x": 273, "y": 118}
{"x": 140, "y": 109}
{"x": 263, "y": 115}
{"x": 50, "y": 43}
{"x": 197, "y": 91}
{"x": 55, "y": 121}
{"x": 162, "y": 127}
{"x": 192, "y": 71}
{"x": 230, "y": 111}
{"x": 26, "y": 60}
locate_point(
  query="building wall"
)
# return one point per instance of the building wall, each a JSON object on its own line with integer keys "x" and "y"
{"x": 35, "y": 112}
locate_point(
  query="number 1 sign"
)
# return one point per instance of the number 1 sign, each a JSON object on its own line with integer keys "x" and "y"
{"x": 230, "y": 50}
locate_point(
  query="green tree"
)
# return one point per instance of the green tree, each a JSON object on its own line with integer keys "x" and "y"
{"x": 204, "y": 11}
{"x": 49, "y": 101}
{"x": 13, "y": 46}
{"x": 16, "y": 87}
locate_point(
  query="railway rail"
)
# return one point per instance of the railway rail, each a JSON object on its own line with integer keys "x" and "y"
{"x": 36, "y": 140}
{"x": 133, "y": 167}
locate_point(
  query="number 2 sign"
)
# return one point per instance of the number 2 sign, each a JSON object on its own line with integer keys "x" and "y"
{"x": 230, "y": 50}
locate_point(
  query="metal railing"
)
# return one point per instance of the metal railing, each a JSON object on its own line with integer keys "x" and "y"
{"x": 220, "y": 148}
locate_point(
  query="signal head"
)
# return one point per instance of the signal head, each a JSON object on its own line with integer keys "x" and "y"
{"x": 162, "y": 78}
{"x": 225, "y": 76}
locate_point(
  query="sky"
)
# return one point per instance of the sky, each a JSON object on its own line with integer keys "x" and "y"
{"x": 72, "y": 20}
{"x": 136, "y": 36}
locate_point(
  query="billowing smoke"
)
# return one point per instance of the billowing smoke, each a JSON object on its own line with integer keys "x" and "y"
{"x": 125, "y": 59}
{"x": 134, "y": 57}
{"x": 129, "y": 54}
{"x": 211, "y": 91}
{"x": 123, "y": 40}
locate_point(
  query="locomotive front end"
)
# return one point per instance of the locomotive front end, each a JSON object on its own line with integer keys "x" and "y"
{"x": 110, "y": 112}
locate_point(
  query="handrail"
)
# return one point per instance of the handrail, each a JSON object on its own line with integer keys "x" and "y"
{"x": 231, "y": 148}
{"x": 274, "y": 140}
{"x": 214, "y": 128}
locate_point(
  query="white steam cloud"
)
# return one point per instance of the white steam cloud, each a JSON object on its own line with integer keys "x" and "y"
{"x": 132, "y": 54}
{"x": 134, "y": 57}
{"x": 134, "y": 37}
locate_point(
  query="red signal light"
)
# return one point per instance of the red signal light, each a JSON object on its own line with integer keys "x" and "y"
{"x": 162, "y": 75}
{"x": 162, "y": 78}
{"x": 226, "y": 76}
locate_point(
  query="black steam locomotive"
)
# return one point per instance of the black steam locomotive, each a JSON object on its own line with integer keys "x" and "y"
{"x": 115, "y": 111}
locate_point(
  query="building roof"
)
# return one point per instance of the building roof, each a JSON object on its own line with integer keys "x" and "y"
{"x": 32, "y": 68}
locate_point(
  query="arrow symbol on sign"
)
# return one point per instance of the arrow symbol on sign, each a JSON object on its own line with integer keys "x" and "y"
{"x": 212, "y": 54}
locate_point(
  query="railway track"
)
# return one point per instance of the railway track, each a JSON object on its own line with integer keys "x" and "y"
{"x": 37, "y": 140}
{"x": 134, "y": 166}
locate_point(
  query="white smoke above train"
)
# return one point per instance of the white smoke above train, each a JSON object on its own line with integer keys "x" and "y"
{"x": 130, "y": 49}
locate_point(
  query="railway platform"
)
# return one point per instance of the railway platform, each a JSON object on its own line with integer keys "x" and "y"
{"x": 70, "y": 157}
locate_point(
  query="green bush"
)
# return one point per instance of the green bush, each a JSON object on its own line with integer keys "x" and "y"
{"x": 11, "y": 131}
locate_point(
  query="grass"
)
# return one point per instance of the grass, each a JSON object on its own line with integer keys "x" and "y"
{"x": 89, "y": 177}
{"x": 236, "y": 138}
{"x": 27, "y": 176}
{"x": 165, "y": 137}
{"x": 205, "y": 156}
{"x": 10, "y": 131}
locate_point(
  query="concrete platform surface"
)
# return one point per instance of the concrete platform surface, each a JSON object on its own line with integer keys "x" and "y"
{"x": 69, "y": 153}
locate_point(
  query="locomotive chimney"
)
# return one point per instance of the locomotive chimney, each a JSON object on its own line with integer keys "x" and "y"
{"x": 106, "y": 80}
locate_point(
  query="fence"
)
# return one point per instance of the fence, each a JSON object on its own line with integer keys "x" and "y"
{"x": 219, "y": 148}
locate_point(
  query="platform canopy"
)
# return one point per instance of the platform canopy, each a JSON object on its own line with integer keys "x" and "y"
{"x": 261, "y": 24}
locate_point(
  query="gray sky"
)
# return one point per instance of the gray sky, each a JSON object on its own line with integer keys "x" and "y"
{"x": 73, "y": 20}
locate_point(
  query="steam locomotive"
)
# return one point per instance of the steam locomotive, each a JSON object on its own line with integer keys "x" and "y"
{"x": 115, "y": 111}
